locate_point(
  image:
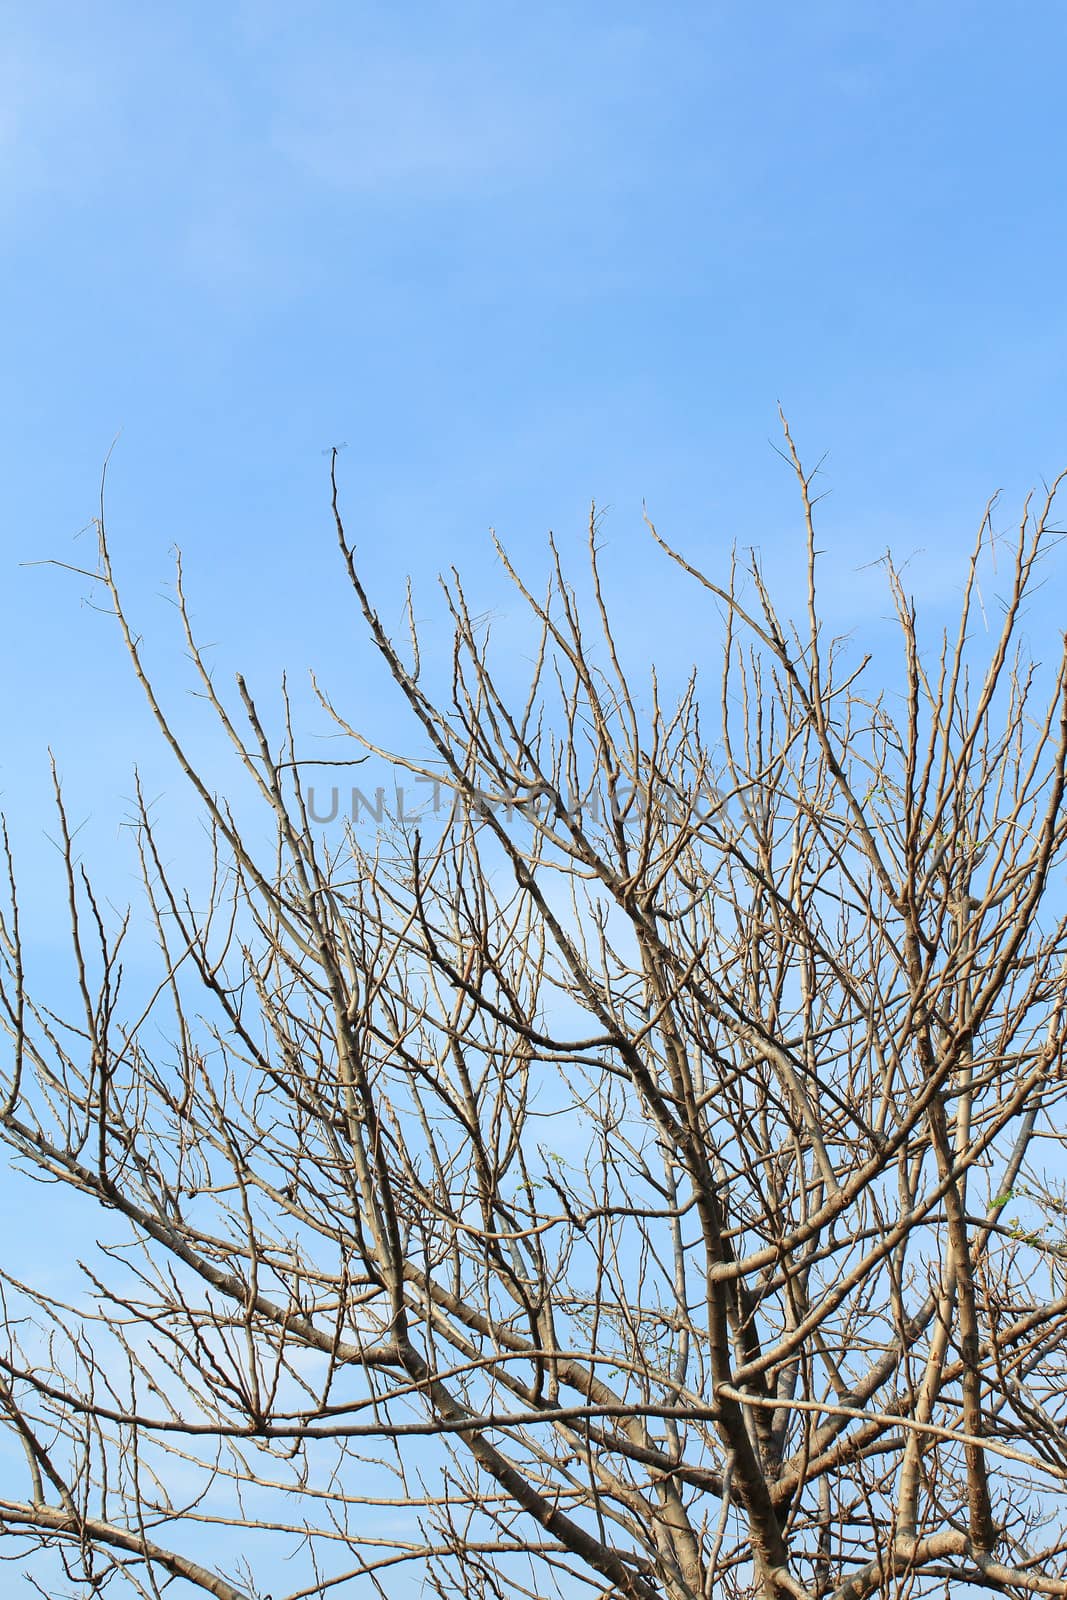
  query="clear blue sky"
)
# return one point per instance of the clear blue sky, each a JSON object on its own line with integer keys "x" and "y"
{"x": 517, "y": 257}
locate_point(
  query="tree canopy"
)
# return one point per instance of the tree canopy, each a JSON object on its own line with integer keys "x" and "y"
{"x": 635, "y": 1177}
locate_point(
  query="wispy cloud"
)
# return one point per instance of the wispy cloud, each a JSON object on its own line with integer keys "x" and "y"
{"x": 50, "y": 119}
{"x": 460, "y": 110}
{"x": 378, "y": 122}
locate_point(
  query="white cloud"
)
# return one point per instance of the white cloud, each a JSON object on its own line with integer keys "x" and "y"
{"x": 55, "y": 118}
{"x": 516, "y": 97}
{"x": 375, "y": 122}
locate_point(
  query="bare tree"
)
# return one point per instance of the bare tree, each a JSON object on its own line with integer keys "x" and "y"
{"x": 650, "y": 1164}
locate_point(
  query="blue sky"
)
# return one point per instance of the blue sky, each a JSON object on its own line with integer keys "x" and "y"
{"x": 517, "y": 258}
